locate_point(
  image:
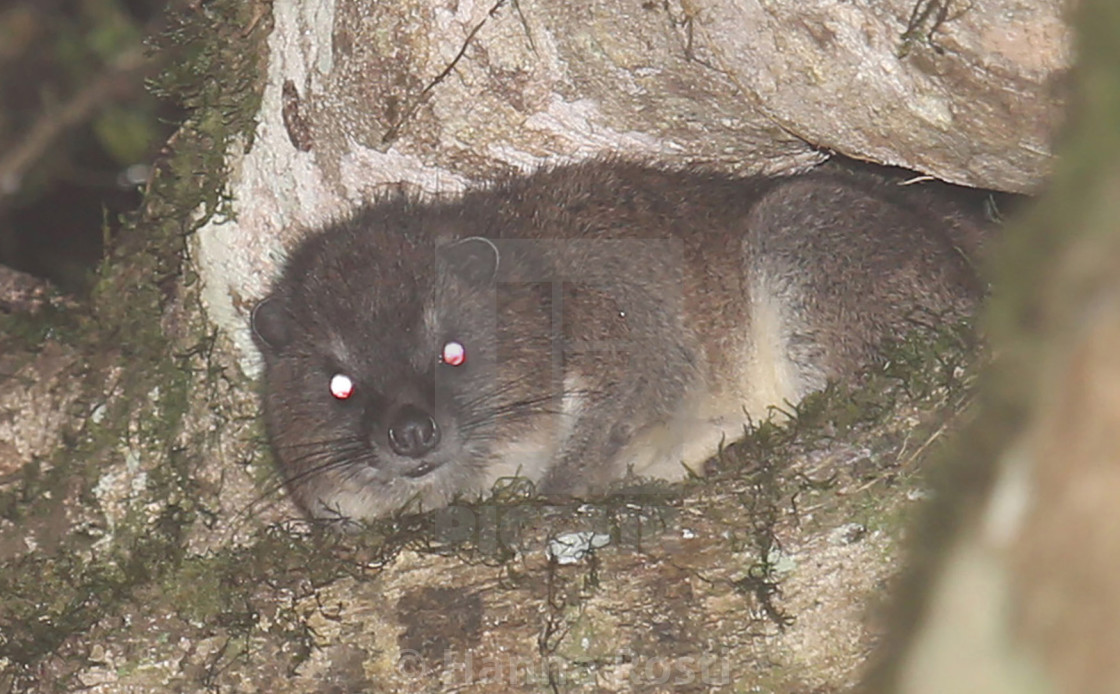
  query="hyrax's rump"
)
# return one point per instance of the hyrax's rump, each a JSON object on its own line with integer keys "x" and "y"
{"x": 583, "y": 321}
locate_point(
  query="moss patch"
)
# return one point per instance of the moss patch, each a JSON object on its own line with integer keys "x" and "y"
{"x": 135, "y": 378}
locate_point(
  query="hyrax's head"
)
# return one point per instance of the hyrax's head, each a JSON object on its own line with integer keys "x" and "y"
{"x": 386, "y": 379}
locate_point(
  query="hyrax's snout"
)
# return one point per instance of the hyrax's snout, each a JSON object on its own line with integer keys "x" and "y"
{"x": 413, "y": 432}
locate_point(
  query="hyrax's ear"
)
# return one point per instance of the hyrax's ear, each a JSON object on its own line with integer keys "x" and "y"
{"x": 271, "y": 324}
{"x": 475, "y": 259}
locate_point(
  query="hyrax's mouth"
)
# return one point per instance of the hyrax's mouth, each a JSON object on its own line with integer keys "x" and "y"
{"x": 421, "y": 470}
{"x": 389, "y": 467}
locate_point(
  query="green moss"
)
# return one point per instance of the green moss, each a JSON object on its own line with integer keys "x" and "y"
{"x": 58, "y": 592}
{"x": 930, "y": 373}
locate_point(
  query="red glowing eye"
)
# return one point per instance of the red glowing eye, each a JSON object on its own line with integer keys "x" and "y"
{"x": 454, "y": 354}
{"x": 341, "y": 386}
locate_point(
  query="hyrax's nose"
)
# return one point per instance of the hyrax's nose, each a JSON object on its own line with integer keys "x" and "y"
{"x": 413, "y": 432}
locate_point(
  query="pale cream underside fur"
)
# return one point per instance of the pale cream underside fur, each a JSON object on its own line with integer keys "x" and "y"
{"x": 718, "y": 415}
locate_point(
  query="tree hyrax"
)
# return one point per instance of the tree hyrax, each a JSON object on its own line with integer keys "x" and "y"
{"x": 582, "y": 321}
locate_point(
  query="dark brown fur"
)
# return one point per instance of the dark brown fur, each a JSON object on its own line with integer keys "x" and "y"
{"x": 616, "y": 316}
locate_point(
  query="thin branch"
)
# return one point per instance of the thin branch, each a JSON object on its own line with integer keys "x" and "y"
{"x": 31, "y": 146}
{"x": 394, "y": 131}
